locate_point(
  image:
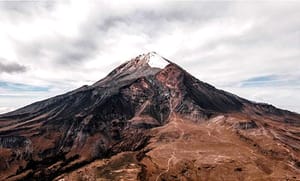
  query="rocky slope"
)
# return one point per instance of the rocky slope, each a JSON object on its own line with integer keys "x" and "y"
{"x": 149, "y": 120}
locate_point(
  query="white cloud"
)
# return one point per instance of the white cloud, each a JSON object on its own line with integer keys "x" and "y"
{"x": 65, "y": 44}
{"x": 5, "y": 109}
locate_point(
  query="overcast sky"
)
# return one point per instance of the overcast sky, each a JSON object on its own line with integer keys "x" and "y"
{"x": 249, "y": 49}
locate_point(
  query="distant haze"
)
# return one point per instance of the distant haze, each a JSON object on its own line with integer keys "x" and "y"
{"x": 50, "y": 47}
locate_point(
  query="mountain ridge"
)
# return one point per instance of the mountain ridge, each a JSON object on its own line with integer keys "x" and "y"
{"x": 133, "y": 62}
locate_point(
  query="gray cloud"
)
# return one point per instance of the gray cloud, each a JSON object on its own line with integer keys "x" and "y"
{"x": 94, "y": 33}
{"x": 19, "y": 9}
{"x": 11, "y": 68}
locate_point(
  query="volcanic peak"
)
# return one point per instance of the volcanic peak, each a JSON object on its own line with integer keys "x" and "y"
{"x": 154, "y": 60}
{"x": 142, "y": 65}
{"x": 139, "y": 120}
{"x": 150, "y": 59}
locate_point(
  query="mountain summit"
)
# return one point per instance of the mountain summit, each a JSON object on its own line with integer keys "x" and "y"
{"x": 149, "y": 119}
{"x": 141, "y": 66}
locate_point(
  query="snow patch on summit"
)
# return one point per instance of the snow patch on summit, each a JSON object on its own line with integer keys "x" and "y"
{"x": 157, "y": 61}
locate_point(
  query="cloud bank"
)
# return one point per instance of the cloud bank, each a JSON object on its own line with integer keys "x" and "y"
{"x": 248, "y": 48}
{"x": 11, "y": 67}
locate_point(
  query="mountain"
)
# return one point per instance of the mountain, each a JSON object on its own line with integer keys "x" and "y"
{"x": 149, "y": 119}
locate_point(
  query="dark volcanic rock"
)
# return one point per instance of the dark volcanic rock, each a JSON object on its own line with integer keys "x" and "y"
{"x": 247, "y": 125}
